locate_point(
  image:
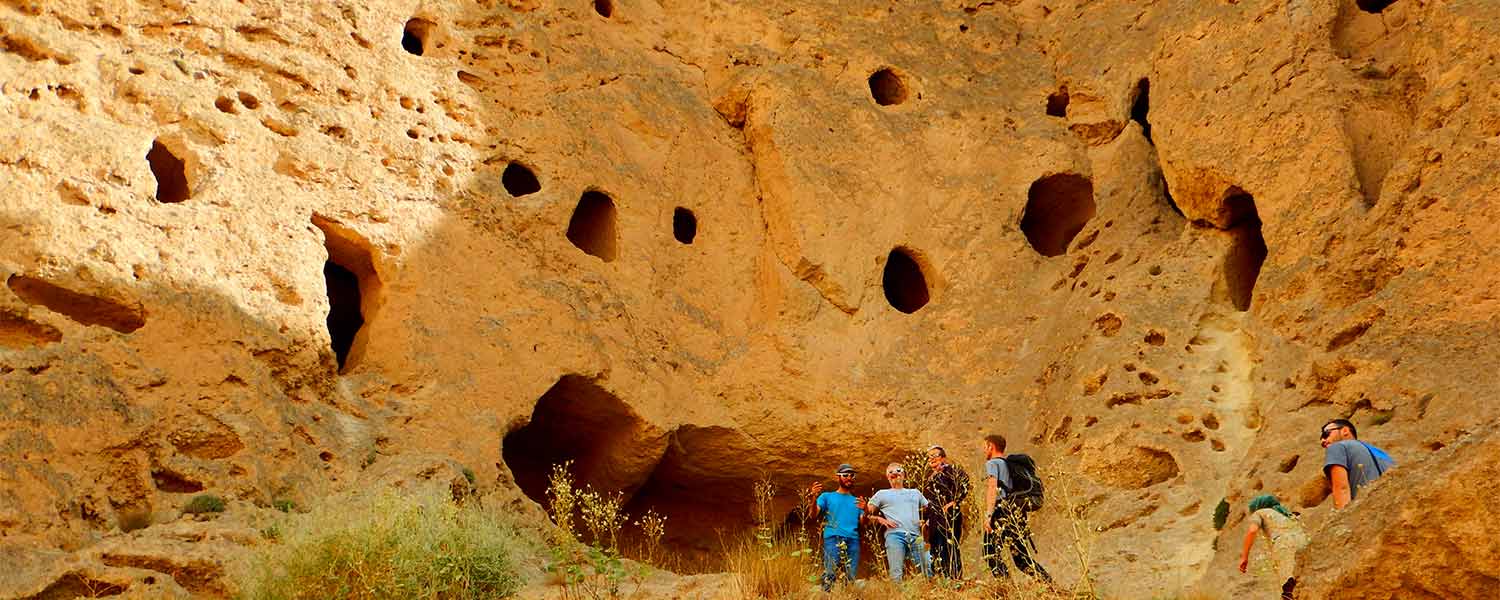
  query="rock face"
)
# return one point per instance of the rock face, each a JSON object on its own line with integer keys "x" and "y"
{"x": 261, "y": 249}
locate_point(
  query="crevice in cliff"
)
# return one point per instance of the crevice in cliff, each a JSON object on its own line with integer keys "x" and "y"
{"x": 1247, "y": 250}
{"x": 592, "y": 228}
{"x": 1057, "y": 208}
{"x": 353, "y": 288}
{"x": 119, "y": 315}
{"x": 1140, "y": 107}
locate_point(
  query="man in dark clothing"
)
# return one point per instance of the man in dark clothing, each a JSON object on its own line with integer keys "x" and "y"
{"x": 947, "y": 488}
{"x": 1007, "y": 525}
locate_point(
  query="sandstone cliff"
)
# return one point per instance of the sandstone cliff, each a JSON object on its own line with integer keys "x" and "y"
{"x": 274, "y": 250}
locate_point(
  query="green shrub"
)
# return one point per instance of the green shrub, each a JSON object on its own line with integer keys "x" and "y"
{"x": 388, "y": 546}
{"x": 469, "y": 475}
{"x": 204, "y": 503}
{"x": 284, "y": 505}
{"x": 1221, "y": 513}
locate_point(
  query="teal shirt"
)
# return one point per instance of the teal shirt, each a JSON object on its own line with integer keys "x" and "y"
{"x": 840, "y": 515}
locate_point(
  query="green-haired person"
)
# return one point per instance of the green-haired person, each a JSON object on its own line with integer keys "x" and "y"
{"x": 1282, "y": 530}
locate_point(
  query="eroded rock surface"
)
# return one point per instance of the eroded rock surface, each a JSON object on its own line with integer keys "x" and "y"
{"x": 272, "y": 250}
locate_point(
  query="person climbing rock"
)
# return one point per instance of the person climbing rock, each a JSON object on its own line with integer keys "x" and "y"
{"x": 1350, "y": 463}
{"x": 842, "y": 514}
{"x": 1010, "y": 484}
{"x": 947, "y": 488}
{"x": 899, "y": 509}
{"x": 1283, "y": 531}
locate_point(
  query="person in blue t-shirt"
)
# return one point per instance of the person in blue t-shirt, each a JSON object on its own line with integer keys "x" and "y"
{"x": 842, "y": 514}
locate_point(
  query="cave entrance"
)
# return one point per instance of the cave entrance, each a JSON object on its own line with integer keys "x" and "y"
{"x": 519, "y": 180}
{"x": 1057, "y": 208}
{"x": 1374, "y": 6}
{"x": 1140, "y": 107}
{"x": 1247, "y": 251}
{"x": 1057, "y": 103}
{"x": 684, "y": 225}
{"x": 592, "y": 228}
{"x": 353, "y": 290}
{"x": 170, "y": 174}
{"x": 887, "y": 88}
{"x": 414, "y": 35}
{"x": 904, "y": 282}
{"x": 612, "y": 448}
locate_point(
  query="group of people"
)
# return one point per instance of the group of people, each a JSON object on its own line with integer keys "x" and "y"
{"x": 936, "y": 510}
{"x": 916, "y": 519}
{"x": 1349, "y": 464}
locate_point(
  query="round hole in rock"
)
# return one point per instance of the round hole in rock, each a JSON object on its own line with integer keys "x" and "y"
{"x": 904, "y": 283}
{"x": 592, "y": 228}
{"x": 1374, "y": 6}
{"x": 1246, "y": 253}
{"x": 170, "y": 173}
{"x": 684, "y": 225}
{"x": 519, "y": 180}
{"x": 1057, "y": 103}
{"x": 605, "y": 8}
{"x": 353, "y": 290}
{"x": 1057, "y": 208}
{"x": 414, "y": 35}
{"x": 887, "y": 87}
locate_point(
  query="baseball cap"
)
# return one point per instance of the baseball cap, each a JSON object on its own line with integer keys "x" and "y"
{"x": 845, "y": 469}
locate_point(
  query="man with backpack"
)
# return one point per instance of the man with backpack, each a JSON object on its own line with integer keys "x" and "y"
{"x": 1348, "y": 462}
{"x": 1012, "y": 492}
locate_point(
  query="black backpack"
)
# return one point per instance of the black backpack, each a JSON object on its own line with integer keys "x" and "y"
{"x": 1025, "y": 490}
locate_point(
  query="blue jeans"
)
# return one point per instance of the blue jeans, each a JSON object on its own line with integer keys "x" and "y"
{"x": 839, "y": 550}
{"x": 900, "y": 545}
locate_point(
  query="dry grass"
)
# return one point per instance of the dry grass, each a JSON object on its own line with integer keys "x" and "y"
{"x": 389, "y": 546}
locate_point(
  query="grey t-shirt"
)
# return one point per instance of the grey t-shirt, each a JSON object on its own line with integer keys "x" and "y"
{"x": 1354, "y": 456}
{"x": 996, "y": 467}
{"x": 904, "y": 506}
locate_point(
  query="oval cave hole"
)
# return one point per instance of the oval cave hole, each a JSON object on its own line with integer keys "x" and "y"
{"x": 1057, "y": 208}
{"x": 1140, "y": 107}
{"x": 1374, "y": 6}
{"x": 352, "y": 287}
{"x": 887, "y": 87}
{"x": 610, "y": 447}
{"x": 414, "y": 35}
{"x": 592, "y": 227}
{"x": 605, "y": 8}
{"x": 170, "y": 173}
{"x": 684, "y": 225}
{"x": 904, "y": 283}
{"x": 519, "y": 180}
{"x": 174, "y": 483}
{"x": 1057, "y": 103}
{"x": 1247, "y": 251}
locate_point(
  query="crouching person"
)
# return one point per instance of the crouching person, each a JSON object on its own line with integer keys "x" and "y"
{"x": 899, "y": 509}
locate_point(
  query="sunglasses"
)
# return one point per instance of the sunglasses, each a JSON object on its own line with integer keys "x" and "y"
{"x": 1327, "y": 432}
{"x": 846, "y": 475}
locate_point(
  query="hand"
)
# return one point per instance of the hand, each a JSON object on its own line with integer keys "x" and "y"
{"x": 949, "y": 506}
{"x": 887, "y": 522}
{"x": 1244, "y": 563}
{"x": 817, "y": 488}
{"x": 989, "y": 526}
{"x": 860, "y": 502}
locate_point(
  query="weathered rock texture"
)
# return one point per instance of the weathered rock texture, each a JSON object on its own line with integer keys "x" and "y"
{"x": 1157, "y": 244}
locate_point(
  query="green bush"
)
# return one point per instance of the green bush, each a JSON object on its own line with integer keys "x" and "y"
{"x": 388, "y": 546}
{"x": 1221, "y": 513}
{"x": 204, "y": 503}
{"x": 284, "y": 505}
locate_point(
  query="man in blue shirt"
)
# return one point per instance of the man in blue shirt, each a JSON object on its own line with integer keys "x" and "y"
{"x": 842, "y": 513}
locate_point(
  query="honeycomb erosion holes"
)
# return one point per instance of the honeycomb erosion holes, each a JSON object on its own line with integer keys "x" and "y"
{"x": 1057, "y": 208}
{"x": 170, "y": 173}
{"x": 887, "y": 87}
{"x": 592, "y": 228}
{"x": 519, "y": 180}
{"x": 905, "y": 283}
{"x": 684, "y": 225}
{"x": 353, "y": 289}
{"x": 120, "y": 315}
{"x": 1248, "y": 250}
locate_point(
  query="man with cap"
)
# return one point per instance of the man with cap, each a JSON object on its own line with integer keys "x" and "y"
{"x": 900, "y": 511}
{"x": 842, "y": 513}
